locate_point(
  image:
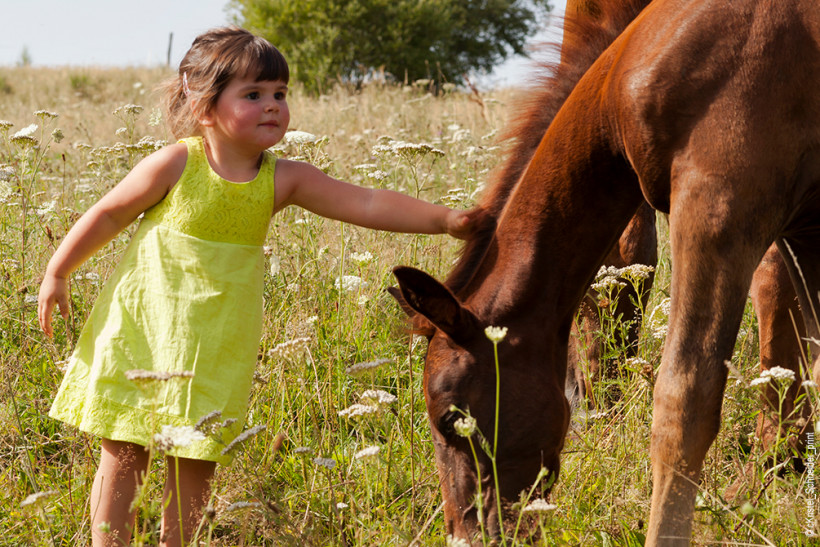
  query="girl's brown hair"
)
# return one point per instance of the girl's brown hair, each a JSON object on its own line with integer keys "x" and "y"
{"x": 216, "y": 57}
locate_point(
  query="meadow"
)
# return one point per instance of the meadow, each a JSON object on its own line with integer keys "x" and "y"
{"x": 338, "y": 451}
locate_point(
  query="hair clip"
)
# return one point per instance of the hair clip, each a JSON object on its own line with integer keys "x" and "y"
{"x": 185, "y": 88}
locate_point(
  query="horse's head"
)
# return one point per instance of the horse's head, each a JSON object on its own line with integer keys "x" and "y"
{"x": 460, "y": 380}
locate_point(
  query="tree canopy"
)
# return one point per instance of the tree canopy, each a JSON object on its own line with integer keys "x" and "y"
{"x": 350, "y": 39}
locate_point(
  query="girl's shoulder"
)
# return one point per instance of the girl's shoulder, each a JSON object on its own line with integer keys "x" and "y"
{"x": 167, "y": 164}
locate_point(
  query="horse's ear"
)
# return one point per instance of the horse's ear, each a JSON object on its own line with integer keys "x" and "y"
{"x": 422, "y": 293}
{"x": 405, "y": 307}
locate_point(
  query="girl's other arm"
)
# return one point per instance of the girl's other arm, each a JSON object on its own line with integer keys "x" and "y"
{"x": 144, "y": 186}
{"x": 304, "y": 185}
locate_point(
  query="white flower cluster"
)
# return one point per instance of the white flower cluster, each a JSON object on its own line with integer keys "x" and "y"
{"x": 349, "y": 283}
{"x": 379, "y": 397}
{"x": 300, "y": 137}
{"x": 406, "y": 150}
{"x": 328, "y": 463}
{"x": 359, "y": 368}
{"x": 465, "y": 426}
{"x": 368, "y": 452}
{"x": 495, "y": 334}
{"x": 372, "y": 401}
{"x": 774, "y": 373}
{"x": 290, "y": 350}
{"x": 26, "y": 135}
{"x": 539, "y": 506}
{"x": 361, "y": 258}
{"x": 176, "y": 436}
{"x": 38, "y": 498}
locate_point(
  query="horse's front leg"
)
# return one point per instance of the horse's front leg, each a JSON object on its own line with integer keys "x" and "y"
{"x": 713, "y": 262}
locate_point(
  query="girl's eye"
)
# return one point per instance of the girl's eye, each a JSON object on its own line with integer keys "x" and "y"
{"x": 280, "y": 96}
{"x": 253, "y": 95}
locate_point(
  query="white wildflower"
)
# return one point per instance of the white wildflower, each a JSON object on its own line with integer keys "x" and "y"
{"x": 5, "y": 125}
{"x": 128, "y": 109}
{"x": 495, "y": 334}
{"x": 660, "y": 332}
{"x": 177, "y": 436}
{"x": 38, "y": 498}
{"x": 368, "y": 452}
{"x": 47, "y": 209}
{"x": 291, "y": 350}
{"x": 26, "y": 132}
{"x": 43, "y": 114}
{"x": 361, "y": 258}
{"x": 457, "y": 542}
{"x": 30, "y": 299}
{"x": 303, "y": 450}
{"x": 275, "y": 265}
{"x": 341, "y": 505}
{"x": 243, "y": 505}
{"x": 465, "y": 426}
{"x": 774, "y": 373}
{"x": 358, "y": 409}
{"x": 328, "y": 463}
{"x": 350, "y": 283}
{"x": 809, "y": 384}
{"x": 378, "y": 175}
{"x": 637, "y": 272}
{"x": 6, "y": 173}
{"x": 300, "y": 137}
{"x": 379, "y": 396}
{"x": 358, "y": 368}
{"x": 539, "y": 506}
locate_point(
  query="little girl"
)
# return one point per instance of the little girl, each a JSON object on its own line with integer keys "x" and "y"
{"x": 187, "y": 295}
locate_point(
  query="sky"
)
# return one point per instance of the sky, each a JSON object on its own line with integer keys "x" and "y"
{"x": 120, "y": 32}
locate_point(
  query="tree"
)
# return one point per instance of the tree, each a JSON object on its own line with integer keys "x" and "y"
{"x": 350, "y": 39}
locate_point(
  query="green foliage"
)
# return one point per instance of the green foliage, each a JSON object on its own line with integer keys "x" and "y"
{"x": 409, "y": 39}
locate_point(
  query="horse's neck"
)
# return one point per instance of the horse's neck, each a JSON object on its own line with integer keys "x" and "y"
{"x": 568, "y": 210}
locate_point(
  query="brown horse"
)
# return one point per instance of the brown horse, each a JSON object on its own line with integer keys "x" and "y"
{"x": 706, "y": 110}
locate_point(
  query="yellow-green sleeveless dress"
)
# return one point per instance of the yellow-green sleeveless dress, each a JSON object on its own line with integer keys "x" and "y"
{"x": 186, "y": 296}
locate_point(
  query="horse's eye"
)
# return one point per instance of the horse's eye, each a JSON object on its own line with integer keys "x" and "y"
{"x": 446, "y": 423}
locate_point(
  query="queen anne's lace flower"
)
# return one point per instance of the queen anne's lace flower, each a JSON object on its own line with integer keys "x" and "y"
{"x": 379, "y": 397}
{"x": 328, "y": 463}
{"x": 539, "y": 506}
{"x": 176, "y": 436}
{"x": 359, "y": 368}
{"x": 495, "y": 334}
{"x": 300, "y": 137}
{"x": 368, "y": 452}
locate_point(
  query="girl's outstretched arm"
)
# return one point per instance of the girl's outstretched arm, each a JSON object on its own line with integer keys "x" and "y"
{"x": 144, "y": 186}
{"x": 302, "y": 184}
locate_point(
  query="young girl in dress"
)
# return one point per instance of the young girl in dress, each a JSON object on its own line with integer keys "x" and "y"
{"x": 187, "y": 296}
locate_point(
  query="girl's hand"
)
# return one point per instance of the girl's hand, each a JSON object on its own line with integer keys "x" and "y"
{"x": 461, "y": 224}
{"x": 53, "y": 290}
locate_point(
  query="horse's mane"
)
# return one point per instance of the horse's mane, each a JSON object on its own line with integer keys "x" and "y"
{"x": 586, "y": 35}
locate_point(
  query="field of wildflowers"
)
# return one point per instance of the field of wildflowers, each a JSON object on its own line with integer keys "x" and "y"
{"x": 336, "y": 449}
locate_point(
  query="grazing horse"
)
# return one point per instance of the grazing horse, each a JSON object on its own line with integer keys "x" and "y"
{"x": 709, "y": 112}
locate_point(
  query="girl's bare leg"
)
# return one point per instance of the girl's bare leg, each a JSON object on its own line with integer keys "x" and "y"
{"x": 121, "y": 472}
{"x": 194, "y": 492}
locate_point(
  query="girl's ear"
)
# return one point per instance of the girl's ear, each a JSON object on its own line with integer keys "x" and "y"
{"x": 202, "y": 115}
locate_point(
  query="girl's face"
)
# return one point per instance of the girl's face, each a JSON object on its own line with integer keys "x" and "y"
{"x": 249, "y": 113}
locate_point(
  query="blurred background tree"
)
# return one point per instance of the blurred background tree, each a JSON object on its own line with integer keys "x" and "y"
{"x": 350, "y": 40}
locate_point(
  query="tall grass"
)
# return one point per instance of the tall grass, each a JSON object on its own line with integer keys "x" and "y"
{"x": 324, "y": 471}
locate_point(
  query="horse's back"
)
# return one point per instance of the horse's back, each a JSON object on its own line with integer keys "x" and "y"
{"x": 720, "y": 89}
